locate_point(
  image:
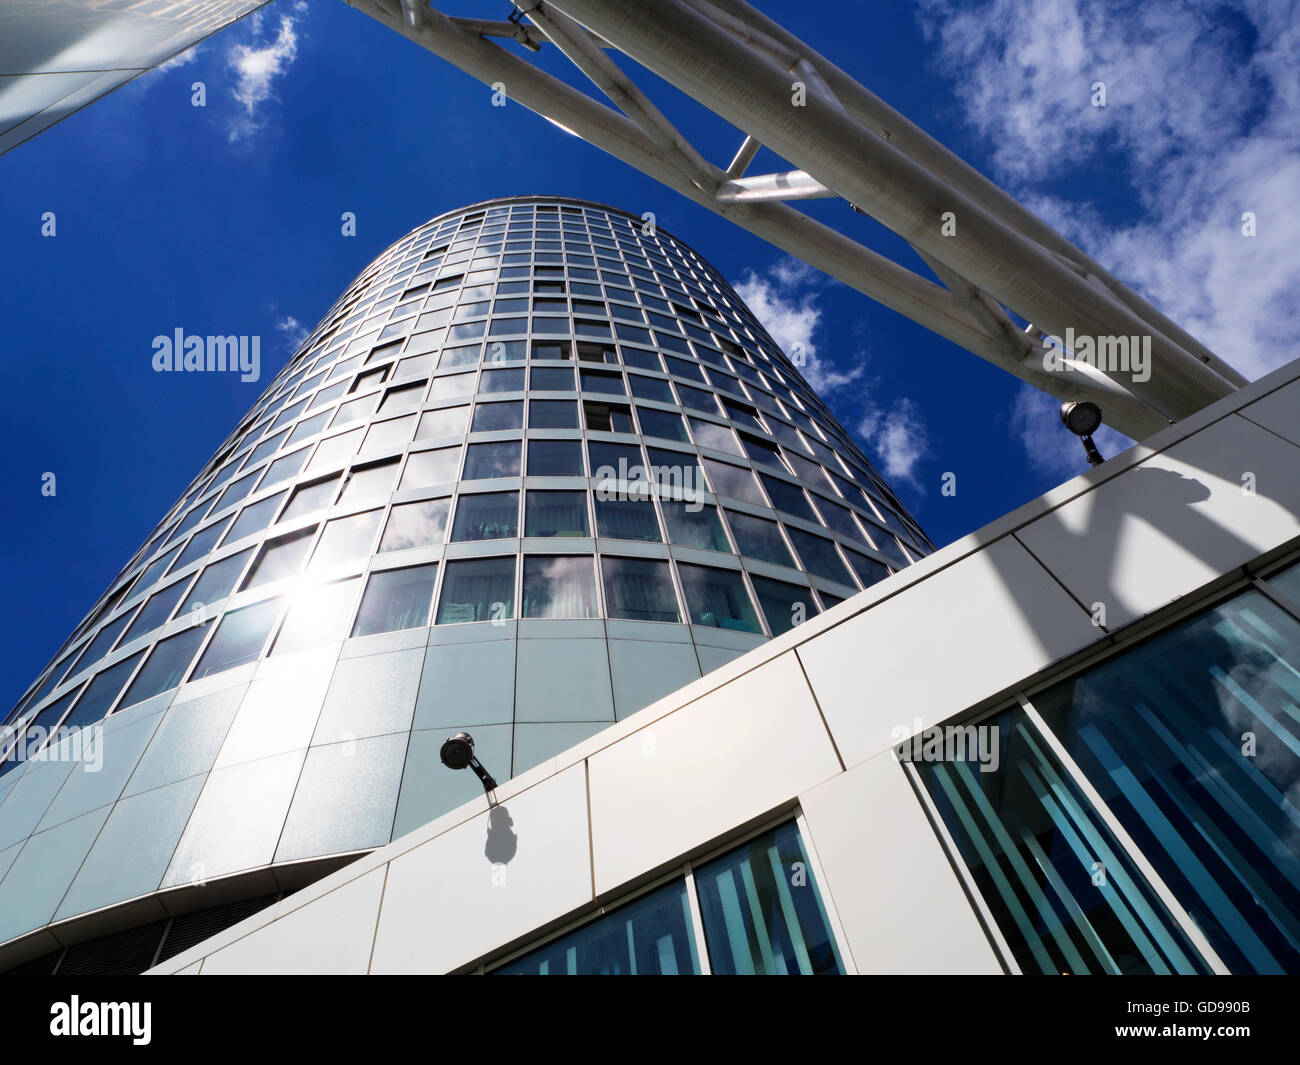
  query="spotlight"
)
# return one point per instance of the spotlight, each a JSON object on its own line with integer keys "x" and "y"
{"x": 458, "y": 752}
{"x": 1084, "y": 419}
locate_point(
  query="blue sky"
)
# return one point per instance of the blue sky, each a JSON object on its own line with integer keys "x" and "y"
{"x": 225, "y": 219}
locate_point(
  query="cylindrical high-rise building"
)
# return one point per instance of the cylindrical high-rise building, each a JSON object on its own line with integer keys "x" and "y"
{"x": 535, "y": 469}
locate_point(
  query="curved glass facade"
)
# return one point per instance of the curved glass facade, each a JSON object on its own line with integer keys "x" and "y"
{"x": 536, "y": 468}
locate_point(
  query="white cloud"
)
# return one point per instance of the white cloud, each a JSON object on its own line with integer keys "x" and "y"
{"x": 784, "y": 299}
{"x": 899, "y": 438}
{"x": 792, "y": 317}
{"x": 294, "y": 331}
{"x": 1203, "y": 101}
{"x": 256, "y": 66}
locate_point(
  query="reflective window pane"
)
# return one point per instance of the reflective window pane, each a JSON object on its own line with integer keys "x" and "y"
{"x": 317, "y": 615}
{"x": 369, "y": 482}
{"x": 760, "y": 539}
{"x": 639, "y": 589}
{"x": 626, "y": 519}
{"x": 819, "y": 556}
{"x": 649, "y": 937}
{"x": 717, "y": 597}
{"x": 762, "y": 911}
{"x": 416, "y": 525}
{"x": 784, "y": 605}
{"x": 486, "y": 516}
{"x": 693, "y": 525}
{"x": 396, "y": 599}
{"x": 484, "y": 461}
{"x": 239, "y": 638}
{"x": 556, "y": 514}
{"x": 554, "y": 458}
{"x": 559, "y": 586}
{"x": 216, "y": 581}
{"x": 345, "y": 538}
{"x": 477, "y": 589}
{"x": 280, "y": 558}
{"x": 99, "y": 694}
{"x": 166, "y": 665}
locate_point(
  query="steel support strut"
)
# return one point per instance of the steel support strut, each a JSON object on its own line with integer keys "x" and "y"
{"x": 743, "y": 67}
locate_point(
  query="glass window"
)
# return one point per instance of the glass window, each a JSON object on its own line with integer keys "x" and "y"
{"x": 760, "y": 539}
{"x": 254, "y": 518}
{"x": 236, "y": 492}
{"x": 416, "y": 525}
{"x": 166, "y": 665}
{"x": 157, "y": 610}
{"x": 336, "y": 449}
{"x": 345, "y": 538}
{"x": 354, "y": 411}
{"x": 819, "y": 556}
{"x": 662, "y": 423}
{"x": 869, "y": 571}
{"x": 639, "y": 589}
{"x": 554, "y": 458}
{"x": 478, "y": 589}
{"x": 616, "y": 462}
{"x": 99, "y": 694}
{"x": 239, "y": 638}
{"x": 649, "y": 937}
{"x": 556, "y": 514}
{"x": 604, "y": 417}
{"x": 283, "y": 469}
{"x": 762, "y": 911}
{"x": 734, "y": 482}
{"x": 553, "y": 414}
{"x": 551, "y": 379}
{"x": 424, "y": 469}
{"x": 502, "y": 381}
{"x": 369, "y": 482}
{"x": 1192, "y": 739}
{"x": 317, "y": 615}
{"x": 650, "y": 388}
{"x": 486, "y": 516}
{"x": 216, "y": 582}
{"x": 200, "y": 544}
{"x": 693, "y": 525}
{"x": 784, "y": 605}
{"x": 717, "y": 437}
{"x": 280, "y": 558}
{"x": 394, "y": 433}
{"x": 99, "y": 646}
{"x": 484, "y": 461}
{"x": 789, "y": 498}
{"x": 839, "y": 519}
{"x": 559, "y": 586}
{"x": 396, "y": 599}
{"x": 453, "y": 386}
{"x": 450, "y": 421}
{"x": 698, "y": 399}
{"x": 1031, "y": 841}
{"x": 596, "y": 381}
{"x": 310, "y": 497}
{"x": 157, "y": 568}
{"x": 493, "y": 417}
{"x": 717, "y": 597}
{"x": 626, "y": 519}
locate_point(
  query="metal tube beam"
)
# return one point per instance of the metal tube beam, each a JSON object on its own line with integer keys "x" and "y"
{"x": 743, "y": 157}
{"x": 753, "y": 92}
{"x": 820, "y": 246}
{"x": 792, "y": 185}
{"x": 910, "y": 138}
{"x": 570, "y": 38}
